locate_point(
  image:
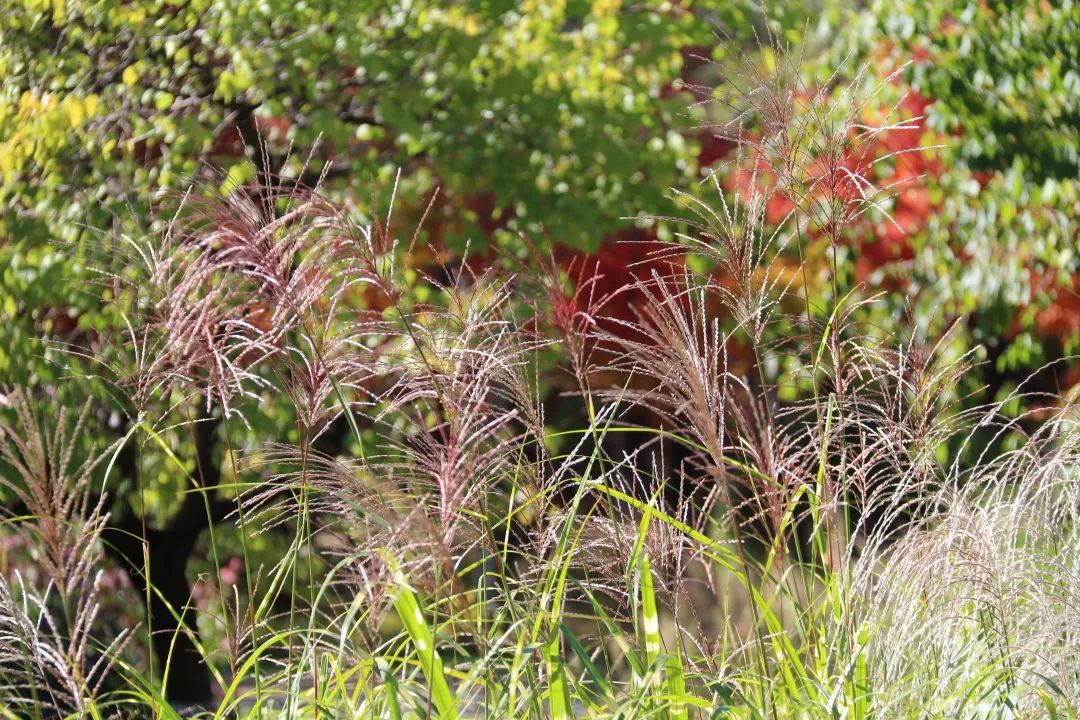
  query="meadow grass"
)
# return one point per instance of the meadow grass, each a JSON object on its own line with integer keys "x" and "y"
{"x": 709, "y": 541}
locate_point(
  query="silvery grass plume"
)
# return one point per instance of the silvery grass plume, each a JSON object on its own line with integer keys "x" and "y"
{"x": 975, "y": 611}
{"x": 466, "y": 369}
{"x": 814, "y": 150}
{"x": 452, "y": 402}
{"x": 734, "y": 237}
{"x": 613, "y": 539}
{"x": 815, "y": 144}
{"x": 567, "y": 303}
{"x": 53, "y": 657}
{"x": 242, "y": 284}
{"x": 890, "y": 413}
{"x": 456, "y": 427}
{"x": 748, "y": 463}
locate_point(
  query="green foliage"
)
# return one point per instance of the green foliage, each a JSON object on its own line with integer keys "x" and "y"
{"x": 547, "y": 107}
{"x": 1005, "y": 76}
{"x": 995, "y": 247}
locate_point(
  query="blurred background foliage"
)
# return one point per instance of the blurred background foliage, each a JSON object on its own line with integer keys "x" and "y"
{"x": 993, "y": 237}
{"x": 562, "y": 119}
{"x": 561, "y": 115}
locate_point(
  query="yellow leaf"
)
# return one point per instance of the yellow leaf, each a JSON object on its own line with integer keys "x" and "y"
{"x": 76, "y": 112}
{"x": 130, "y": 76}
{"x": 602, "y": 8}
{"x": 769, "y": 59}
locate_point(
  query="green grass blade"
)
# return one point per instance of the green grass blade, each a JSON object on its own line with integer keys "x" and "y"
{"x": 408, "y": 610}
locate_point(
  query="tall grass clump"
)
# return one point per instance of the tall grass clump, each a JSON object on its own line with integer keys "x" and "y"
{"x": 53, "y": 660}
{"x": 734, "y": 499}
{"x": 975, "y": 609}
